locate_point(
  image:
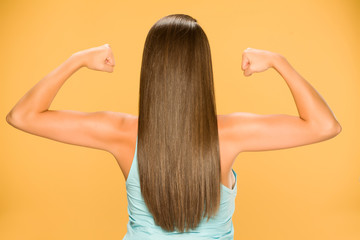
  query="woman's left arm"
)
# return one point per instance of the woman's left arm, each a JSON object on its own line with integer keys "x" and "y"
{"x": 99, "y": 130}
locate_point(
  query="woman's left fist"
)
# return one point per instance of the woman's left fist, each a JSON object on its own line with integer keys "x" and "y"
{"x": 98, "y": 58}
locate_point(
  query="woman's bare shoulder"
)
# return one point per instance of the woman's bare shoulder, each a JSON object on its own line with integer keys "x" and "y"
{"x": 127, "y": 125}
{"x": 228, "y": 148}
{"x": 126, "y": 139}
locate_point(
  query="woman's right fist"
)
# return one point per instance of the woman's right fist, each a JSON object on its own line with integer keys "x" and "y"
{"x": 256, "y": 60}
{"x": 99, "y": 58}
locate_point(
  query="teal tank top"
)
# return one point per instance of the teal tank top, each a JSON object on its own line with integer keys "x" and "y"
{"x": 141, "y": 223}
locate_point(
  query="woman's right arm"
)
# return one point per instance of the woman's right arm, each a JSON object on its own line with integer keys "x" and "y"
{"x": 256, "y": 132}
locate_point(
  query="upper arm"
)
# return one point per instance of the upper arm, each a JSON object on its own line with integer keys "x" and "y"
{"x": 100, "y": 130}
{"x": 257, "y": 132}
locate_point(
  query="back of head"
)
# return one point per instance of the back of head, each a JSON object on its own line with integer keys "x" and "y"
{"x": 178, "y": 146}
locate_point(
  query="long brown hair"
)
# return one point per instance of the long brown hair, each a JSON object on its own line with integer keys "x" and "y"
{"x": 178, "y": 144}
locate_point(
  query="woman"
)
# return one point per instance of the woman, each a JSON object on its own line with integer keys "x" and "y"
{"x": 177, "y": 155}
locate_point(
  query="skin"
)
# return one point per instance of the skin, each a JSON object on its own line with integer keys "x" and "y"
{"x": 116, "y": 132}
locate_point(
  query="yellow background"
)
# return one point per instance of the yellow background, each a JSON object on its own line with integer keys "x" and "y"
{"x": 52, "y": 190}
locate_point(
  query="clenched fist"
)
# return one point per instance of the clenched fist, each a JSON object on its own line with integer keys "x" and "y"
{"x": 98, "y": 58}
{"x": 256, "y": 60}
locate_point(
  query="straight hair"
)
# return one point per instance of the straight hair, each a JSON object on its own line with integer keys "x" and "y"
{"x": 178, "y": 143}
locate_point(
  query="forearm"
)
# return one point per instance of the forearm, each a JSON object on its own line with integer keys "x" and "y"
{"x": 310, "y": 105}
{"x": 40, "y": 96}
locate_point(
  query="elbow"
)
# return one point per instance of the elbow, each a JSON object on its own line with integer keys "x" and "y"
{"x": 14, "y": 119}
{"x": 9, "y": 118}
{"x": 336, "y": 128}
{"x": 332, "y": 130}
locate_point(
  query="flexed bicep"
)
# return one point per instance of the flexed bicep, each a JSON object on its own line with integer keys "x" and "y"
{"x": 100, "y": 130}
{"x": 260, "y": 132}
